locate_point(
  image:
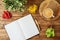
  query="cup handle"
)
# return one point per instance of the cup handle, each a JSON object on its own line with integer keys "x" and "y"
{"x": 53, "y": 16}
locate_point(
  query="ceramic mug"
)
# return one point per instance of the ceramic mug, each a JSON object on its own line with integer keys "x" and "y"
{"x": 48, "y": 13}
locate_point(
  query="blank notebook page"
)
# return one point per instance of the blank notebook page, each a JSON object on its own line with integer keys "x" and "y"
{"x": 14, "y": 31}
{"x": 28, "y": 26}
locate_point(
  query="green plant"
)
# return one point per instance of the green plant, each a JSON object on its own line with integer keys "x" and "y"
{"x": 50, "y": 32}
{"x": 15, "y": 5}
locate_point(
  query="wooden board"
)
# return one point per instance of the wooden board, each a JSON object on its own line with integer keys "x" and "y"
{"x": 43, "y": 24}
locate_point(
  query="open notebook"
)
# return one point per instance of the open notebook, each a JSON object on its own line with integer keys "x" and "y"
{"x": 22, "y": 29}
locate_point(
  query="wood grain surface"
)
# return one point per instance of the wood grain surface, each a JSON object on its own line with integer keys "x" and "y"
{"x": 42, "y": 23}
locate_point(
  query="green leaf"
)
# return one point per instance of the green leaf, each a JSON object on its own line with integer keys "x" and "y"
{"x": 15, "y": 4}
{"x": 50, "y": 32}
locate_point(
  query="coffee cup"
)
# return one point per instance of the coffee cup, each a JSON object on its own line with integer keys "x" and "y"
{"x": 48, "y": 13}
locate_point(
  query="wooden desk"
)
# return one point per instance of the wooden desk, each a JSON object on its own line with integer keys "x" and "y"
{"x": 43, "y": 24}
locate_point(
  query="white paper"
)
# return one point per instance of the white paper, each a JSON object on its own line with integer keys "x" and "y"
{"x": 14, "y": 31}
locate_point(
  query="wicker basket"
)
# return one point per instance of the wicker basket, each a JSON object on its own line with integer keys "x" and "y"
{"x": 54, "y": 5}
